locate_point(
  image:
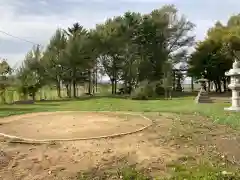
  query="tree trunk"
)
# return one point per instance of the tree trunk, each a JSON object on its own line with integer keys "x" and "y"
{"x": 33, "y": 96}
{"x": 219, "y": 85}
{"x": 74, "y": 88}
{"x": 192, "y": 84}
{"x": 225, "y": 84}
{"x": 174, "y": 80}
{"x": 216, "y": 86}
{"x": 170, "y": 93}
{"x": 89, "y": 82}
{"x": 165, "y": 93}
{"x": 68, "y": 90}
{"x": 115, "y": 87}
{"x": 96, "y": 80}
{"x": 209, "y": 86}
{"x": 129, "y": 87}
{"x": 89, "y": 88}
{"x": 112, "y": 82}
{"x": 96, "y": 85}
{"x": 74, "y": 83}
{"x": 3, "y": 97}
{"x": 59, "y": 90}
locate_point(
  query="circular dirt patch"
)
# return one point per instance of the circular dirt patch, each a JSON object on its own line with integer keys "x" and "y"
{"x": 71, "y": 125}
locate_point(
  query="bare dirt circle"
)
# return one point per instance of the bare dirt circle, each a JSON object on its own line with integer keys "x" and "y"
{"x": 50, "y": 126}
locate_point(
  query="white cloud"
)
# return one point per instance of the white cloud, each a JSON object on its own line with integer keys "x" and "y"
{"x": 36, "y": 28}
{"x": 147, "y": 1}
{"x": 39, "y": 26}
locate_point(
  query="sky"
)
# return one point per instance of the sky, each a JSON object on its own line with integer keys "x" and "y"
{"x": 37, "y": 20}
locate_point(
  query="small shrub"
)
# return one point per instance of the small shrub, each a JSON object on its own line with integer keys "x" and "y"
{"x": 159, "y": 90}
{"x": 144, "y": 91}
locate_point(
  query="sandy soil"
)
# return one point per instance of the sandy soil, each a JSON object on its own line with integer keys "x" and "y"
{"x": 67, "y": 125}
{"x": 169, "y": 139}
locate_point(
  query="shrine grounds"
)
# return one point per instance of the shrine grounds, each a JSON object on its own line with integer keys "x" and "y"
{"x": 184, "y": 141}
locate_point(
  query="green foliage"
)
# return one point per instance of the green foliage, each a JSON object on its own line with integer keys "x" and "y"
{"x": 145, "y": 91}
{"x": 130, "y": 55}
{"x": 159, "y": 90}
{"x": 130, "y": 48}
{"x": 51, "y": 60}
{"x": 111, "y": 45}
{"x": 164, "y": 37}
{"x": 214, "y": 56}
{"x": 30, "y": 75}
{"x": 210, "y": 57}
{"x": 5, "y": 79}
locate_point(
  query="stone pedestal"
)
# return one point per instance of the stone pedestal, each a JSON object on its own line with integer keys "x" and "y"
{"x": 203, "y": 97}
{"x": 234, "y": 73}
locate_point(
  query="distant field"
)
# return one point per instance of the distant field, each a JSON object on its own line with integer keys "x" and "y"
{"x": 51, "y": 93}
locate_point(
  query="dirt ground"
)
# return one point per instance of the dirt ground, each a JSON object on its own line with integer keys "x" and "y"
{"x": 67, "y": 125}
{"x": 171, "y": 138}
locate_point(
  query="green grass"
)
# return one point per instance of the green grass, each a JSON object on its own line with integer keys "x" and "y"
{"x": 178, "y": 105}
{"x": 180, "y": 172}
{"x": 202, "y": 172}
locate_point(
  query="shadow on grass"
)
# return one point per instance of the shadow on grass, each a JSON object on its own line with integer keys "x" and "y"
{"x": 95, "y": 97}
{"x": 4, "y": 112}
{"x": 84, "y": 98}
{"x": 12, "y": 109}
{"x": 183, "y": 94}
{"x": 46, "y": 104}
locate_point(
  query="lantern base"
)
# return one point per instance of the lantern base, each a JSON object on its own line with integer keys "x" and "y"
{"x": 232, "y": 108}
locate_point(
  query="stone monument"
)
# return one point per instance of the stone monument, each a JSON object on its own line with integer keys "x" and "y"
{"x": 234, "y": 85}
{"x": 202, "y": 96}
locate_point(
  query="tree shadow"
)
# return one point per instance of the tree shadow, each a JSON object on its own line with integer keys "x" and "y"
{"x": 184, "y": 94}
{"x": 36, "y": 103}
{"x": 10, "y": 111}
{"x": 84, "y": 98}
{"x": 46, "y": 104}
{"x": 221, "y": 95}
{"x": 110, "y": 96}
{"x": 56, "y": 102}
{"x": 15, "y": 109}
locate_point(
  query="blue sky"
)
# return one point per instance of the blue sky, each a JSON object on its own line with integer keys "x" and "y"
{"x": 36, "y": 20}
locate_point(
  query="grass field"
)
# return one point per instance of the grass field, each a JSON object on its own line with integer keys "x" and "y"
{"x": 178, "y": 105}
{"x": 201, "y": 140}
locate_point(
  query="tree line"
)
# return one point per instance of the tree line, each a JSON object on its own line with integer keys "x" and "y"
{"x": 215, "y": 54}
{"x": 132, "y": 48}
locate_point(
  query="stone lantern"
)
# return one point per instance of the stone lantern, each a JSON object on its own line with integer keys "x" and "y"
{"x": 202, "y": 96}
{"x": 234, "y": 85}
